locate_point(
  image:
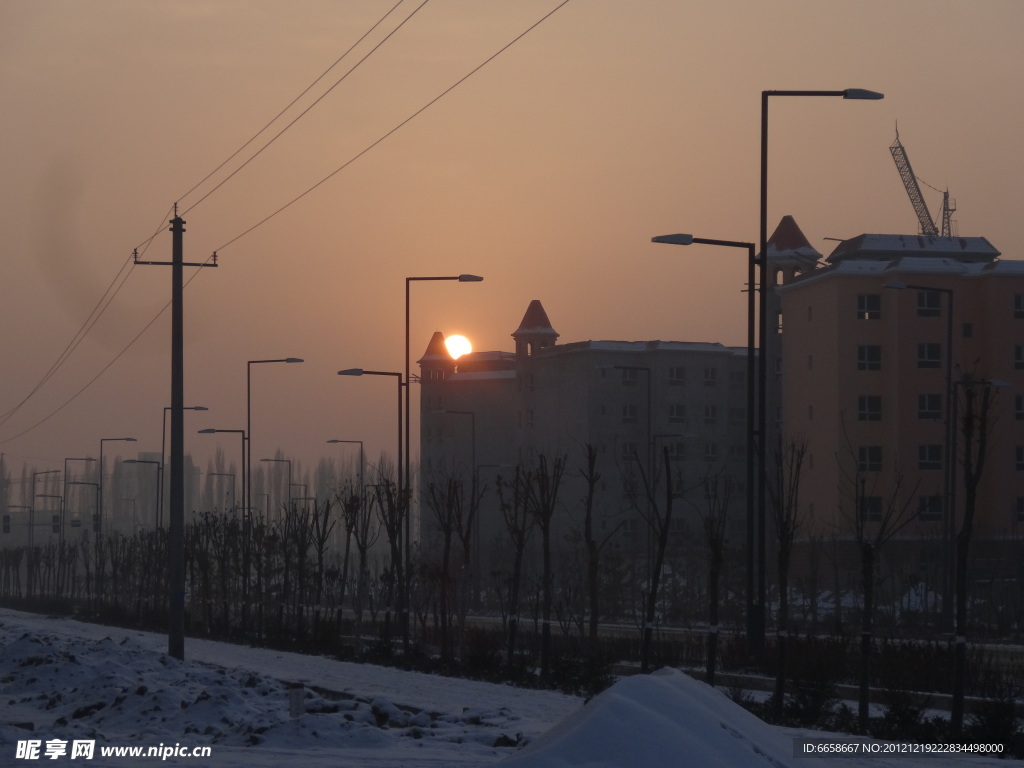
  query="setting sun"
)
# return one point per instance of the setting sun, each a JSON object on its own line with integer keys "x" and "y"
{"x": 458, "y": 346}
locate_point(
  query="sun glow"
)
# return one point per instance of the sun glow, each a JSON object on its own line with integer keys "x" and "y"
{"x": 458, "y": 346}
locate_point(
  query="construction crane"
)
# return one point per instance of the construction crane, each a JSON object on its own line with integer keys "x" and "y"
{"x": 928, "y": 226}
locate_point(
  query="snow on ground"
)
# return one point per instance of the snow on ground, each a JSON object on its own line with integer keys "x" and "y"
{"x": 63, "y": 680}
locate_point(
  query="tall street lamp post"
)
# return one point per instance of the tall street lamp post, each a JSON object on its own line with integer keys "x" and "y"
{"x": 100, "y": 476}
{"x": 66, "y": 483}
{"x": 159, "y": 484}
{"x": 848, "y": 93}
{"x": 755, "y": 609}
{"x": 289, "y": 490}
{"x": 246, "y": 520}
{"x": 464, "y": 278}
{"x": 247, "y": 458}
{"x": 403, "y": 506}
{"x": 163, "y": 451}
{"x": 32, "y": 508}
{"x": 361, "y": 462}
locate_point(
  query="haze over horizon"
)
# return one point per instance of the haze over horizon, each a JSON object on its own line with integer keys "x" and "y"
{"x": 546, "y": 172}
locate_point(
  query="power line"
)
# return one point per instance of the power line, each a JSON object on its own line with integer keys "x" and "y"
{"x": 103, "y": 370}
{"x": 398, "y": 127}
{"x": 97, "y": 312}
{"x": 292, "y": 103}
{"x": 118, "y": 282}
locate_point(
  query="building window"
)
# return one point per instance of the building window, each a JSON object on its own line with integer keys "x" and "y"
{"x": 630, "y": 376}
{"x": 869, "y": 408}
{"x": 929, "y": 508}
{"x": 871, "y": 508}
{"x": 1019, "y": 463}
{"x": 1020, "y": 509}
{"x": 929, "y": 406}
{"x": 629, "y": 413}
{"x": 710, "y": 451}
{"x": 1018, "y": 407}
{"x": 529, "y": 417}
{"x": 869, "y": 458}
{"x": 710, "y": 377}
{"x": 869, "y": 357}
{"x": 629, "y": 449}
{"x": 1018, "y": 305}
{"x": 928, "y": 304}
{"x": 677, "y": 414}
{"x": 1018, "y": 356}
{"x": 869, "y": 306}
{"x": 710, "y": 414}
{"x": 677, "y": 375}
{"x": 929, "y": 457}
{"x": 737, "y": 378}
{"x": 676, "y": 450}
{"x": 929, "y": 355}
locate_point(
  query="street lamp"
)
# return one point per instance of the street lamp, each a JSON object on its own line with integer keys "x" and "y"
{"x": 280, "y": 461}
{"x": 159, "y": 483}
{"x": 32, "y": 509}
{"x": 755, "y": 609}
{"x": 247, "y": 458}
{"x": 361, "y": 464}
{"x": 464, "y": 278}
{"x": 859, "y": 94}
{"x": 66, "y": 483}
{"x": 100, "y": 478}
{"x": 96, "y": 500}
{"x": 226, "y": 474}
{"x": 403, "y": 506}
{"x": 163, "y": 442}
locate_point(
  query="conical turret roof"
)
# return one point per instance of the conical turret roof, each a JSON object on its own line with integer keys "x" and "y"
{"x": 789, "y": 244}
{"x": 535, "y": 322}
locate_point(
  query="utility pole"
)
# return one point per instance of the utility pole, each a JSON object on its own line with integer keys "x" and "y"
{"x": 176, "y": 533}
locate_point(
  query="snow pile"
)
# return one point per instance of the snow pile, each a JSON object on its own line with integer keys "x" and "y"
{"x": 62, "y": 679}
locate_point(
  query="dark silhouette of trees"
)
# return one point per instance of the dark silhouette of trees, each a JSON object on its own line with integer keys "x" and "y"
{"x": 875, "y": 513}
{"x": 787, "y": 516}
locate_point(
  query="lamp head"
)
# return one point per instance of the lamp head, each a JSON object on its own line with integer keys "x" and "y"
{"x": 351, "y": 372}
{"x": 678, "y": 239}
{"x": 862, "y": 94}
{"x": 470, "y": 279}
{"x": 294, "y": 360}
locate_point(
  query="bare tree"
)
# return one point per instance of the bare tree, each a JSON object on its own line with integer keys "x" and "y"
{"x": 659, "y": 521}
{"x": 876, "y": 514}
{"x": 542, "y": 499}
{"x": 519, "y": 524}
{"x": 975, "y": 424}
{"x": 593, "y": 547}
{"x": 714, "y": 516}
{"x": 787, "y": 518}
{"x": 445, "y": 500}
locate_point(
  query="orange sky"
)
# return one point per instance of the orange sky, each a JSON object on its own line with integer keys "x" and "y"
{"x": 547, "y": 172}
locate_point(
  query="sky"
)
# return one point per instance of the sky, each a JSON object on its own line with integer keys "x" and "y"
{"x": 116, "y": 688}
{"x": 546, "y": 172}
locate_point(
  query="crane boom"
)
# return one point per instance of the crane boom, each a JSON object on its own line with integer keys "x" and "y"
{"x": 899, "y": 154}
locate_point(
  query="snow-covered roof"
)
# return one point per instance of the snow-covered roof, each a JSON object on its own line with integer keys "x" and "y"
{"x": 886, "y": 247}
{"x": 909, "y": 265}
